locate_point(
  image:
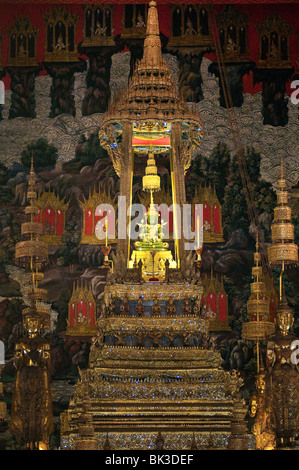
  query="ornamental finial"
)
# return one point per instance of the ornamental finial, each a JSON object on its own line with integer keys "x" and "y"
{"x": 152, "y": 54}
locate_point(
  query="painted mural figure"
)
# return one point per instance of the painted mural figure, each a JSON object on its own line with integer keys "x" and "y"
{"x": 22, "y": 50}
{"x": 100, "y": 30}
{"x": 274, "y": 46}
{"x": 206, "y": 226}
{"x": 210, "y": 312}
{"x": 81, "y": 318}
{"x": 140, "y": 21}
{"x": 60, "y": 44}
{"x": 190, "y": 30}
{"x": 48, "y": 228}
{"x": 231, "y": 46}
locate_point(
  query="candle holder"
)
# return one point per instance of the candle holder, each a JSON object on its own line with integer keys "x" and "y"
{"x": 198, "y": 252}
{"x": 106, "y": 250}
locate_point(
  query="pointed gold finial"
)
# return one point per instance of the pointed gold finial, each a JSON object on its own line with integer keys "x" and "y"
{"x": 32, "y": 167}
{"x": 281, "y": 168}
{"x": 259, "y": 325}
{"x": 152, "y": 54}
{"x": 282, "y": 182}
{"x": 257, "y": 256}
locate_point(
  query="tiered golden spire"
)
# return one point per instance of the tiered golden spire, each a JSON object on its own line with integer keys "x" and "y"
{"x": 259, "y": 325}
{"x": 283, "y": 251}
{"x": 151, "y": 93}
{"x": 258, "y": 305}
{"x": 151, "y": 180}
{"x": 32, "y": 253}
{"x": 31, "y": 420}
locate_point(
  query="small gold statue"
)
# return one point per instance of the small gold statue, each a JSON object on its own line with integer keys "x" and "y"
{"x": 171, "y": 308}
{"x": 196, "y": 307}
{"x": 156, "y": 309}
{"x": 31, "y": 411}
{"x": 283, "y": 378}
{"x": 187, "y": 307}
{"x": 139, "y": 307}
{"x": 125, "y": 308}
{"x": 260, "y": 410}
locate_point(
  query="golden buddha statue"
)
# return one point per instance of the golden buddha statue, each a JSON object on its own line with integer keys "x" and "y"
{"x": 160, "y": 441}
{"x": 260, "y": 410}
{"x": 283, "y": 378}
{"x": 171, "y": 308}
{"x": 139, "y": 307}
{"x": 187, "y": 307}
{"x": 156, "y": 309}
{"x": 31, "y": 412}
{"x": 124, "y": 308}
{"x": 197, "y": 309}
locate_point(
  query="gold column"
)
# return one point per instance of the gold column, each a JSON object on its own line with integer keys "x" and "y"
{"x": 178, "y": 188}
{"x": 126, "y": 170}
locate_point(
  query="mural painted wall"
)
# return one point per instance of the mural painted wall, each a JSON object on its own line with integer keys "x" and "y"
{"x": 61, "y": 65}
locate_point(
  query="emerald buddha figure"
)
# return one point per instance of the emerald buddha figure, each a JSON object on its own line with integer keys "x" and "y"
{"x": 150, "y": 248}
{"x": 151, "y": 232}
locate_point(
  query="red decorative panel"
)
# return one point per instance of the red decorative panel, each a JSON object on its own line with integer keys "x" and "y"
{"x": 216, "y": 218}
{"x": 272, "y": 310}
{"x": 59, "y": 222}
{"x": 170, "y": 221}
{"x": 222, "y": 306}
{"x": 91, "y": 314}
{"x": 88, "y": 221}
{"x": 72, "y": 314}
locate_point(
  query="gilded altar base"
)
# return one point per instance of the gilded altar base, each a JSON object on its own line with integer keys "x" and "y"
{"x": 150, "y": 290}
{"x": 140, "y": 440}
{"x": 135, "y": 393}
